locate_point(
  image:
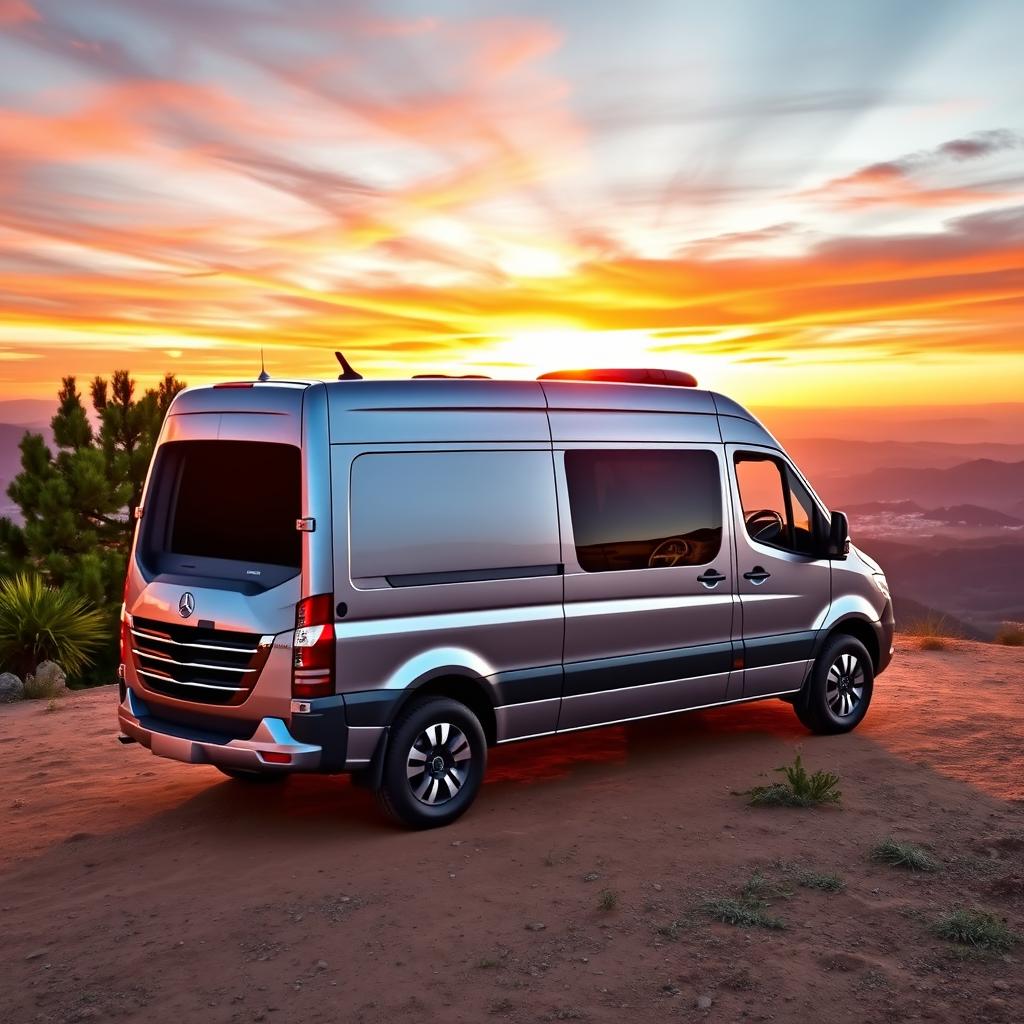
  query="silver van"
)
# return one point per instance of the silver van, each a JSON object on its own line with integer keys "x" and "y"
{"x": 387, "y": 577}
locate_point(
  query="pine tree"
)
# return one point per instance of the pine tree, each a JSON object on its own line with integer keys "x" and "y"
{"x": 78, "y": 504}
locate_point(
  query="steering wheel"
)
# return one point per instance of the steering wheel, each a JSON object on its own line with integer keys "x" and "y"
{"x": 765, "y": 524}
{"x": 674, "y": 551}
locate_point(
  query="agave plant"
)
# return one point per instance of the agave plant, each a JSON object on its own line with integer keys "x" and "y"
{"x": 40, "y": 623}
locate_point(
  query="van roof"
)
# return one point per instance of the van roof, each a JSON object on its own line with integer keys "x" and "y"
{"x": 360, "y": 409}
{"x": 481, "y": 392}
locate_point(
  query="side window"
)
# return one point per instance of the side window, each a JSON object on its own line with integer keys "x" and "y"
{"x": 434, "y": 517}
{"x": 777, "y": 509}
{"x": 644, "y": 508}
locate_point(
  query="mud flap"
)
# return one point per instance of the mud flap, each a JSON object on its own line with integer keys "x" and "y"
{"x": 371, "y": 777}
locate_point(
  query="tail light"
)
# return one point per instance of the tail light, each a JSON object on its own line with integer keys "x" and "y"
{"x": 126, "y": 639}
{"x": 313, "y": 647}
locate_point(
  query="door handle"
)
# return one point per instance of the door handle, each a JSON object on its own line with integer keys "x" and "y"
{"x": 757, "y": 575}
{"x": 710, "y": 579}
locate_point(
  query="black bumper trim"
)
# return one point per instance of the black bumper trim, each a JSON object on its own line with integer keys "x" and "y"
{"x": 325, "y": 726}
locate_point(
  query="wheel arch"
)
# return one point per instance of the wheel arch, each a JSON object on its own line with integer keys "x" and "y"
{"x": 859, "y": 628}
{"x": 467, "y": 689}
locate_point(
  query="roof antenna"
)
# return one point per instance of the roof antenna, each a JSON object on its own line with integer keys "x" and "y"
{"x": 263, "y": 369}
{"x": 347, "y": 373}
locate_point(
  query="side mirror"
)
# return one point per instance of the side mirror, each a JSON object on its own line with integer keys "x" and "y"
{"x": 838, "y": 536}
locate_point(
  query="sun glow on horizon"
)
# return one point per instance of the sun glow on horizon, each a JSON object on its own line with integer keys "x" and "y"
{"x": 508, "y": 195}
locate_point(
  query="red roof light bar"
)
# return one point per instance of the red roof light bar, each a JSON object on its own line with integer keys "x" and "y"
{"x": 671, "y": 378}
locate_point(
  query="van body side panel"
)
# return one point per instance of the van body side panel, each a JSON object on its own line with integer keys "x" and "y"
{"x": 447, "y": 558}
{"x": 317, "y": 544}
{"x": 643, "y": 641}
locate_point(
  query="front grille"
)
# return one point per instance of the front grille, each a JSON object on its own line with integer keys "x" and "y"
{"x": 196, "y": 663}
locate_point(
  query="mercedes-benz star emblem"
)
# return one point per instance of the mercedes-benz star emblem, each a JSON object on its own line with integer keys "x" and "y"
{"x": 187, "y": 605}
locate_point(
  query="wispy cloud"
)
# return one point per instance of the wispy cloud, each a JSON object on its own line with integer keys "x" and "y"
{"x": 910, "y": 180}
{"x": 184, "y": 181}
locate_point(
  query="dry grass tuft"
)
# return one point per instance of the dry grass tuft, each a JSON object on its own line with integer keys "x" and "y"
{"x": 933, "y": 630}
{"x": 1011, "y": 635}
{"x": 901, "y": 854}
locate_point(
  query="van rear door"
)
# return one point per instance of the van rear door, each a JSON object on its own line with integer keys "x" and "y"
{"x": 215, "y": 573}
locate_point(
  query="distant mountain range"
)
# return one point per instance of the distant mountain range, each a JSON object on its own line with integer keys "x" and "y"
{"x": 10, "y": 460}
{"x": 980, "y": 581}
{"x": 985, "y": 482}
{"x": 950, "y": 515}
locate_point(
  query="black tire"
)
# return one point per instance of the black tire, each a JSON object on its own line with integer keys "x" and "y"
{"x": 836, "y": 696}
{"x": 454, "y": 755}
{"x": 252, "y": 775}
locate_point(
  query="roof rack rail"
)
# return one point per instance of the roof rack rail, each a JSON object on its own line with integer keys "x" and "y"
{"x": 672, "y": 378}
{"x": 450, "y": 376}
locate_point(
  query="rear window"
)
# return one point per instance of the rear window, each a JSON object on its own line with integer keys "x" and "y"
{"x": 233, "y": 500}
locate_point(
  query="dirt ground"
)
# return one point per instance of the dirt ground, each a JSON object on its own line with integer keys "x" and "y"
{"x": 137, "y": 889}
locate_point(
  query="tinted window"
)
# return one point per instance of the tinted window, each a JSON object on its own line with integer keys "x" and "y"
{"x": 232, "y": 499}
{"x": 643, "y": 508}
{"x": 439, "y": 517}
{"x": 777, "y": 509}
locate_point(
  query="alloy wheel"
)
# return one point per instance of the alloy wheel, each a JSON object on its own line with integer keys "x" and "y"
{"x": 438, "y": 763}
{"x": 844, "y": 687}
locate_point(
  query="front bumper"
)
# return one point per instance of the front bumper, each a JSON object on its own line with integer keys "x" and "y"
{"x": 197, "y": 746}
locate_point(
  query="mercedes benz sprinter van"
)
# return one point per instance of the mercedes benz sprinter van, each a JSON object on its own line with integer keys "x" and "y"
{"x": 388, "y": 577}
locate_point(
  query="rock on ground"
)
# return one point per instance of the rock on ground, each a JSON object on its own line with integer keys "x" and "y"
{"x": 11, "y": 688}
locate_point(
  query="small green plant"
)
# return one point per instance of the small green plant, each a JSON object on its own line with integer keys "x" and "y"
{"x": 743, "y": 913}
{"x": 901, "y": 854}
{"x": 818, "y": 880}
{"x": 977, "y": 929}
{"x": 1011, "y": 635}
{"x": 40, "y": 623}
{"x": 760, "y": 888}
{"x": 607, "y": 901}
{"x": 801, "y": 788}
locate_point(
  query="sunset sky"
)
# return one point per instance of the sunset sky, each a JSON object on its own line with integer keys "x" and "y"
{"x": 802, "y": 203}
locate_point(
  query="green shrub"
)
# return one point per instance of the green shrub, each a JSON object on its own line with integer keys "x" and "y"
{"x": 39, "y": 623}
{"x": 977, "y": 929}
{"x": 743, "y": 913}
{"x": 818, "y": 880}
{"x": 801, "y": 789}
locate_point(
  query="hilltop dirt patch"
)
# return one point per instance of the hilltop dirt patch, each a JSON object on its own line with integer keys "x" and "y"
{"x": 138, "y": 889}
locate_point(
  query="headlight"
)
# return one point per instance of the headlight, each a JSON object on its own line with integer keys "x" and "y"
{"x": 882, "y": 583}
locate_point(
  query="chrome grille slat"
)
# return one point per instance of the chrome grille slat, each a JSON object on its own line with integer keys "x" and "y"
{"x": 142, "y": 635}
{"x": 182, "y": 682}
{"x": 191, "y": 664}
